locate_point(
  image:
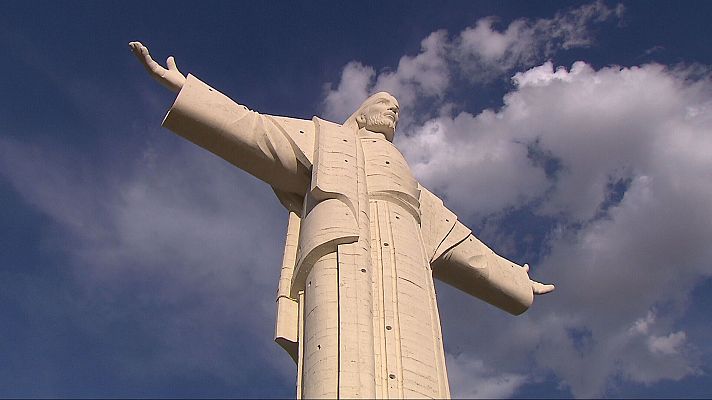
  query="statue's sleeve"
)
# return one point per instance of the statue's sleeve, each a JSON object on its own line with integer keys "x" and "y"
{"x": 277, "y": 150}
{"x": 461, "y": 260}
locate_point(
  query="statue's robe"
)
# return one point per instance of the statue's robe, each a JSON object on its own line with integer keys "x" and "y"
{"x": 356, "y": 304}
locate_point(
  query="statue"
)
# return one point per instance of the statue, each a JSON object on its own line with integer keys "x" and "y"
{"x": 356, "y": 304}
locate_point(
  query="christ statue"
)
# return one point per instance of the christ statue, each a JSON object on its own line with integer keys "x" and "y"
{"x": 356, "y": 303}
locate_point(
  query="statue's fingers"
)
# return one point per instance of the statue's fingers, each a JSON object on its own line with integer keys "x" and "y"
{"x": 146, "y": 55}
{"x": 540, "y": 288}
{"x": 171, "y": 63}
{"x": 141, "y": 52}
{"x": 150, "y": 63}
{"x": 136, "y": 50}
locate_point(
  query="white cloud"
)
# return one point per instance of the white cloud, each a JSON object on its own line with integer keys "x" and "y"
{"x": 479, "y": 53}
{"x": 485, "y": 53}
{"x": 423, "y": 75}
{"x": 184, "y": 232}
{"x": 471, "y": 379}
{"x": 630, "y": 196}
{"x": 667, "y": 345}
{"x": 642, "y": 325}
{"x": 447, "y": 147}
{"x": 352, "y": 90}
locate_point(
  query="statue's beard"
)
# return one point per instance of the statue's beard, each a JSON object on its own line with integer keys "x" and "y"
{"x": 381, "y": 124}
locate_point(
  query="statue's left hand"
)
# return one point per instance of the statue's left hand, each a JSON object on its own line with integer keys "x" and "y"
{"x": 170, "y": 78}
{"x": 538, "y": 287}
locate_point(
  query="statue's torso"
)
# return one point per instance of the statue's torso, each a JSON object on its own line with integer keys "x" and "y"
{"x": 388, "y": 176}
{"x": 408, "y": 353}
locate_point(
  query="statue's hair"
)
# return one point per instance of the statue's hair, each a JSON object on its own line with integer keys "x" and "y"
{"x": 351, "y": 121}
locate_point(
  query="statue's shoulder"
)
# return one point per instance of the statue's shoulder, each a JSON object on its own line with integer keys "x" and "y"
{"x": 301, "y": 132}
{"x": 294, "y": 126}
{"x": 323, "y": 122}
{"x": 440, "y": 228}
{"x": 334, "y": 132}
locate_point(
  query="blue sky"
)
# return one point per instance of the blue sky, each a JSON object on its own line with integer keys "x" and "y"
{"x": 574, "y": 136}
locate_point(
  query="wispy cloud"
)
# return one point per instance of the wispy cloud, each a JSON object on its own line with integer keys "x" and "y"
{"x": 480, "y": 53}
{"x": 201, "y": 239}
{"x": 471, "y": 379}
{"x": 484, "y": 53}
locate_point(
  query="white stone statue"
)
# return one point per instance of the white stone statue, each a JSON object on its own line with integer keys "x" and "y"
{"x": 356, "y": 305}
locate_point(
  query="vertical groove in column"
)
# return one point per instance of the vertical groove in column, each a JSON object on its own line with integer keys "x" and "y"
{"x": 443, "y": 384}
{"x": 419, "y": 355}
{"x": 339, "y": 325}
{"x": 381, "y": 372}
{"x": 356, "y": 336}
{"x": 300, "y": 346}
{"x": 384, "y": 215}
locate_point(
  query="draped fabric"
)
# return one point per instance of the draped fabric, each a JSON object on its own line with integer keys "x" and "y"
{"x": 371, "y": 325}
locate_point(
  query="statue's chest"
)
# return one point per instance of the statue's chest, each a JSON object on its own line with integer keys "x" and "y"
{"x": 387, "y": 173}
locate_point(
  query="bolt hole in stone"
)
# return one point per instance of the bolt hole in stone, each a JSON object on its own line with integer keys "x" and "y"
{"x": 363, "y": 269}
{"x": 447, "y": 220}
{"x": 388, "y": 327}
{"x": 385, "y": 244}
{"x": 388, "y": 162}
{"x": 345, "y": 140}
{"x": 392, "y": 376}
{"x": 301, "y": 131}
{"x": 318, "y": 346}
{"x": 346, "y": 160}
{"x": 397, "y": 217}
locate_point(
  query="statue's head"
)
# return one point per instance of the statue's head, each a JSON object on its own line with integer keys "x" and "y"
{"x": 379, "y": 113}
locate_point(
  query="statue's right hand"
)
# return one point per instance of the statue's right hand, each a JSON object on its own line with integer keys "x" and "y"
{"x": 170, "y": 78}
{"x": 538, "y": 287}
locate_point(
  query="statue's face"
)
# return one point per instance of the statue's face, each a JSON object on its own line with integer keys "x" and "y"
{"x": 382, "y": 116}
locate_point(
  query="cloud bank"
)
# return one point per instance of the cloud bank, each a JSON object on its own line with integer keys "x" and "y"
{"x": 184, "y": 259}
{"x": 629, "y": 199}
{"x": 478, "y": 54}
{"x": 614, "y": 160}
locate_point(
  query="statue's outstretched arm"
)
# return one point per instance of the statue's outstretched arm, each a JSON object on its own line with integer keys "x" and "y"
{"x": 474, "y": 268}
{"x": 274, "y": 149}
{"x": 461, "y": 260}
{"x": 170, "y": 78}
